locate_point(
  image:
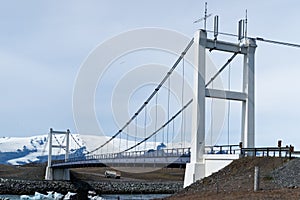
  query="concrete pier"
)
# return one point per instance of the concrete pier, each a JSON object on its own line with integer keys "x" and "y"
{"x": 211, "y": 163}
{"x": 57, "y": 174}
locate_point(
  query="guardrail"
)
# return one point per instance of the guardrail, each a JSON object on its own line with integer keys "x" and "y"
{"x": 176, "y": 152}
{"x": 223, "y": 149}
{"x": 268, "y": 151}
{"x": 186, "y": 152}
{"x": 296, "y": 153}
{"x": 145, "y": 153}
{"x": 151, "y": 153}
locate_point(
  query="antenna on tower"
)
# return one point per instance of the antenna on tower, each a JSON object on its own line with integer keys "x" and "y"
{"x": 216, "y": 26}
{"x": 205, "y": 17}
{"x": 241, "y": 29}
{"x": 246, "y": 22}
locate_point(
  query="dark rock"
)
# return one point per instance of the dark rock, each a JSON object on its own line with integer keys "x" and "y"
{"x": 29, "y": 187}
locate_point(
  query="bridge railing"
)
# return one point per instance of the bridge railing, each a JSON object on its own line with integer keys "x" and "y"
{"x": 151, "y": 153}
{"x": 185, "y": 152}
{"x": 268, "y": 152}
{"x": 223, "y": 149}
{"x": 175, "y": 152}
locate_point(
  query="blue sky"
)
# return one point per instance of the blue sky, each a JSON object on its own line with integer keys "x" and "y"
{"x": 44, "y": 43}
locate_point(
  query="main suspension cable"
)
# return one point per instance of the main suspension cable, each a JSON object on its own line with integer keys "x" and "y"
{"x": 221, "y": 69}
{"x": 75, "y": 141}
{"x": 150, "y": 97}
{"x": 260, "y": 39}
{"x": 61, "y": 146}
{"x": 155, "y": 132}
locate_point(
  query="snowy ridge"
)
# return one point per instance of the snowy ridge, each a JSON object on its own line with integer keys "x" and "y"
{"x": 22, "y": 150}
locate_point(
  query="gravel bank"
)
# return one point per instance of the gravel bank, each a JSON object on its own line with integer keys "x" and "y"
{"x": 20, "y": 187}
{"x": 149, "y": 187}
{"x": 11, "y": 186}
{"x": 235, "y": 181}
{"x": 288, "y": 175}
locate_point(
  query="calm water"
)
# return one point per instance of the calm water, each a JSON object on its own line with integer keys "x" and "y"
{"x": 111, "y": 196}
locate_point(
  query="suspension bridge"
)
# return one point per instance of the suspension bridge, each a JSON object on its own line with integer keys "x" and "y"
{"x": 128, "y": 148}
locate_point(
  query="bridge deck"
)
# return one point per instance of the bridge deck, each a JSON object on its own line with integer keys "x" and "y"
{"x": 176, "y": 157}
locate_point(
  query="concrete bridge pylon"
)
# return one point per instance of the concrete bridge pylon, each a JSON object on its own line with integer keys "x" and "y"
{"x": 202, "y": 164}
{"x": 57, "y": 173}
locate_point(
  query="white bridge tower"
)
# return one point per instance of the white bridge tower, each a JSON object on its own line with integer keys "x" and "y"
{"x": 199, "y": 166}
{"x": 57, "y": 173}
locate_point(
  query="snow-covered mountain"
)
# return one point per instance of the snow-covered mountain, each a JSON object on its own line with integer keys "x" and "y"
{"x": 23, "y": 150}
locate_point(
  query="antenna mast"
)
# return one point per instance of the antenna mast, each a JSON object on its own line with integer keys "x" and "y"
{"x": 204, "y": 18}
{"x": 246, "y": 19}
{"x": 205, "y": 15}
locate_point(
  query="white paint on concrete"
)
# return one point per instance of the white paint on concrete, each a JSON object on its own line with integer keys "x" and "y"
{"x": 211, "y": 163}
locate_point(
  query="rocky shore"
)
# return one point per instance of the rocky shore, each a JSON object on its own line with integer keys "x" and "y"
{"x": 18, "y": 187}
{"x": 149, "y": 187}
{"x": 21, "y": 187}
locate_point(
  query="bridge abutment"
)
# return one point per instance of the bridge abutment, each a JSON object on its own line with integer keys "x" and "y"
{"x": 57, "y": 174}
{"x": 210, "y": 164}
{"x": 193, "y": 172}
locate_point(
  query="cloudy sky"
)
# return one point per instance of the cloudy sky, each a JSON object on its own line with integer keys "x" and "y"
{"x": 44, "y": 43}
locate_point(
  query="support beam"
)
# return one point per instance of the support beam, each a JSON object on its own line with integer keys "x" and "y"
{"x": 195, "y": 170}
{"x": 58, "y": 146}
{"x": 67, "y": 145}
{"x": 228, "y": 95}
{"x": 198, "y": 126}
{"x": 50, "y": 147}
{"x": 248, "y": 108}
{"x": 49, "y": 172}
{"x": 225, "y": 46}
{"x": 59, "y": 132}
